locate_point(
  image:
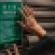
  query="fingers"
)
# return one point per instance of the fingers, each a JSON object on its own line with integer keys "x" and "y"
{"x": 22, "y": 13}
{"x": 21, "y": 24}
{"x": 8, "y": 52}
{"x": 16, "y": 50}
{"x": 26, "y": 11}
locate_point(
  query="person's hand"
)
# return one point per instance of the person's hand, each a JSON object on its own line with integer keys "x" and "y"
{"x": 16, "y": 50}
{"x": 29, "y": 23}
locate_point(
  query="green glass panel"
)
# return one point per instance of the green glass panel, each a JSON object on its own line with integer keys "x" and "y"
{"x": 9, "y": 14}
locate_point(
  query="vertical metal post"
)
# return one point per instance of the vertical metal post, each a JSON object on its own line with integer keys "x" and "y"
{"x": 23, "y": 38}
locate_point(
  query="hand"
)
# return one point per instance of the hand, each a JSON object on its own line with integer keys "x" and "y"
{"x": 29, "y": 23}
{"x": 16, "y": 50}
